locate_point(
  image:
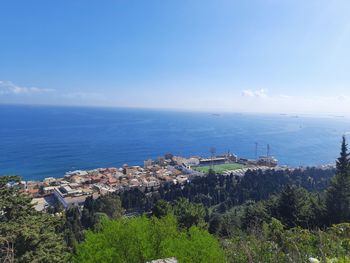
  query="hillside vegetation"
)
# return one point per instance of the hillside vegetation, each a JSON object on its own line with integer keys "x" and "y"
{"x": 266, "y": 216}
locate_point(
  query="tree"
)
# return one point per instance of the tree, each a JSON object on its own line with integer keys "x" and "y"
{"x": 189, "y": 214}
{"x": 215, "y": 224}
{"x": 293, "y": 206}
{"x": 110, "y": 205}
{"x": 31, "y": 236}
{"x": 195, "y": 246}
{"x": 254, "y": 215}
{"x": 143, "y": 239}
{"x": 342, "y": 163}
{"x": 338, "y": 193}
{"x": 88, "y": 218}
{"x": 73, "y": 229}
{"x": 161, "y": 209}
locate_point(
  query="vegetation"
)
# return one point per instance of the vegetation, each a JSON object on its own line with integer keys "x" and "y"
{"x": 142, "y": 239}
{"x": 219, "y": 192}
{"x": 274, "y": 243}
{"x": 219, "y": 168}
{"x": 27, "y": 235}
{"x": 338, "y": 194}
{"x": 223, "y": 192}
{"x": 264, "y": 216}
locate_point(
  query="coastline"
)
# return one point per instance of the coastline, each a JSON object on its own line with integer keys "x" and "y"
{"x": 56, "y": 139}
{"x": 73, "y": 188}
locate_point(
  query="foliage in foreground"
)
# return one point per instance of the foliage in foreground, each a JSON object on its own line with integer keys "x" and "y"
{"x": 273, "y": 243}
{"x": 143, "y": 239}
{"x": 25, "y": 234}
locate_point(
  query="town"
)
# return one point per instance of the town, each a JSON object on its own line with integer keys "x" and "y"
{"x": 73, "y": 188}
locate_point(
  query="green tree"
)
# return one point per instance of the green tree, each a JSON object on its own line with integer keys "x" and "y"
{"x": 194, "y": 246}
{"x": 25, "y": 234}
{"x": 161, "y": 208}
{"x": 143, "y": 239}
{"x": 88, "y": 218}
{"x": 254, "y": 215}
{"x": 215, "y": 224}
{"x": 293, "y": 206}
{"x": 110, "y": 205}
{"x": 342, "y": 163}
{"x": 73, "y": 230}
{"x": 189, "y": 214}
{"x": 338, "y": 193}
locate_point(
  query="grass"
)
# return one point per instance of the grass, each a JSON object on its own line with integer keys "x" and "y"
{"x": 220, "y": 168}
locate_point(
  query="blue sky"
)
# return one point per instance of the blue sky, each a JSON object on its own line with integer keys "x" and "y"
{"x": 259, "y": 56}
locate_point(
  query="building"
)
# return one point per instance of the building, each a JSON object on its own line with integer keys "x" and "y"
{"x": 69, "y": 197}
{"x": 269, "y": 161}
{"x": 220, "y": 159}
{"x": 191, "y": 162}
{"x": 49, "y": 180}
{"x": 147, "y": 163}
{"x": 48, "y": 190}
{"x": 214, "y": 161}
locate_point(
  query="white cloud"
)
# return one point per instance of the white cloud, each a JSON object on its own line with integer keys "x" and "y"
{"x": 247, "y": 93}
{"x": 343, "y": 98}
{"x": 260, "y": 93}
{"x": 9, "y": 88}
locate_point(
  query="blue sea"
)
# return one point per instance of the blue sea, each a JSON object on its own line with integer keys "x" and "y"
{"x": 41, "y": 141}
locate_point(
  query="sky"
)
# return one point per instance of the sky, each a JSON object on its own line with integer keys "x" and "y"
{"x": 290, "y": 56}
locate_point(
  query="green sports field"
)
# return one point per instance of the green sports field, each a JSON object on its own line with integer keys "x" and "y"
{"x": 220, "y": 168}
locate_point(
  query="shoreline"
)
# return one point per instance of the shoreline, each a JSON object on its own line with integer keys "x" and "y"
{"x": 73, "y": 188}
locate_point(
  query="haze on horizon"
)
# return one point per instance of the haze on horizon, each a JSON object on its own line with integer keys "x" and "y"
{"x": 249, "y": 56}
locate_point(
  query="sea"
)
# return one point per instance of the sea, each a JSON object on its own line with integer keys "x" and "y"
{"x": 47, "y": 141}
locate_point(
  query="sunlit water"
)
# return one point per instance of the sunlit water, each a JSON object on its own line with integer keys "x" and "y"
{"x": 37, "y": 142}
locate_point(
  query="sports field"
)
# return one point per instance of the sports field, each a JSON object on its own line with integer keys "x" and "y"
{"x": 220, "y": 168}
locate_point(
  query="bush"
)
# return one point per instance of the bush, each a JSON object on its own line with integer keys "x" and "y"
{"x": 143, "y": 239}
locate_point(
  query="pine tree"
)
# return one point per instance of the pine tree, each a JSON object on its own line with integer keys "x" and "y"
{"x": 338, "y": 193}
{"x": 292, "y": 206}
{"x": 88, "y": 219}
{"x": 25, "y": 234}
{"x": 343, "y": 161}
{"x": 162, "y": 208}
{"x": 73, "y": 229}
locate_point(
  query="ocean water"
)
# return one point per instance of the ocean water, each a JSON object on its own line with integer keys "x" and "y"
{"x": 37, "y": 141}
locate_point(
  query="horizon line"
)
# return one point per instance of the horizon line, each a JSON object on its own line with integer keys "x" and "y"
{"x": 184, "y": 110}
